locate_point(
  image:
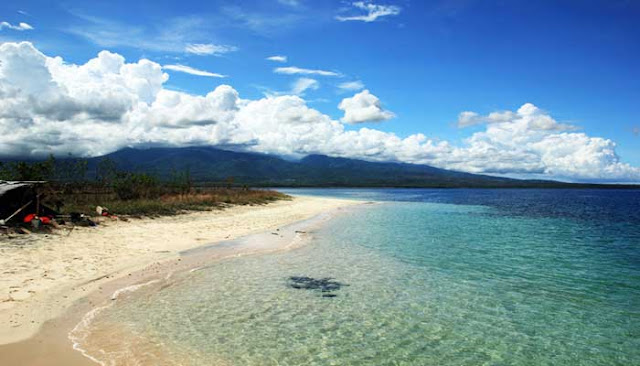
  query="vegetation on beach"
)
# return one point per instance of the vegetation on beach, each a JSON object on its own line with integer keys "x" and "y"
{"x": 200, "y": 199}
{"x": 126, "y": 192}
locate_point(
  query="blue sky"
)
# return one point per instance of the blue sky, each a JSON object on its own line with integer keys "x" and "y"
{"x": 424, "y": 61}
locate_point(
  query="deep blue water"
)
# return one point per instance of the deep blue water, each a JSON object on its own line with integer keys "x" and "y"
{"x": 600, "y": 206}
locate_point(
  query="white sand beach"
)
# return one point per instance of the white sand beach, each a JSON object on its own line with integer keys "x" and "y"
{"x": 42, "y": 275}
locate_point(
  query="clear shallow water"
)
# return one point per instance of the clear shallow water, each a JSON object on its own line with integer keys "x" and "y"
{"x": 436, "y": 277}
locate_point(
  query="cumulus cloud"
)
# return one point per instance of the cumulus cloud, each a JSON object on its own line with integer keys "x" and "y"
{"x": 371, "y": 12}
{"x": 540, "y": 120}
{"x": 208, "y": 49}
{"x": 469, "y": 118}
{"x": 293, "y": 70}
{"x": 190, "y": 70}
{"x": 636, "y": 131}
{"x": 351, "y": 86}
{"x": 177, "y": 110}
{"x": 277, "y": 58}
{"x": 20, "y": 27}
{"x": 363, "y": 107}
{"x": 530, "y": 141}
{"x": 51, "y": 106}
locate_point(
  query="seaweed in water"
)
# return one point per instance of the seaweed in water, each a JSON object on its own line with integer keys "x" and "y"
{"x": 324, "y": 285}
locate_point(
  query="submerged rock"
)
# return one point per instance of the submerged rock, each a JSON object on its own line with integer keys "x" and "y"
{"x": 325, "y": 285}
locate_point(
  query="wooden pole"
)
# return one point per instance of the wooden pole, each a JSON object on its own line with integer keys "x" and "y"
{"x": 37, "y": 203}
{"x": 15, "y": 213}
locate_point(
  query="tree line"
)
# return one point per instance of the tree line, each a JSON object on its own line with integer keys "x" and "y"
{"x": 71, "y": 175}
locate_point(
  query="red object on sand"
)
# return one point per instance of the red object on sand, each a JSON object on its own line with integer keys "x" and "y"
{"x": 44, "y": 219}
{"x": 29, "y": 218}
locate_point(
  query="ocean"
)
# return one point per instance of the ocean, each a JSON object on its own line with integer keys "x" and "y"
{"x": 421, "y": 277}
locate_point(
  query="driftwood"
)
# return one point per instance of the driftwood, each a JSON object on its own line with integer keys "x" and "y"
{"x": 22, "y": 230}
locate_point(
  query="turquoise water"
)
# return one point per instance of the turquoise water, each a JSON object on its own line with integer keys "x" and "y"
{"x": 425, "y": 282}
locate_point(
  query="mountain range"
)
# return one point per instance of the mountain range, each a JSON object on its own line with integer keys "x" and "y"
{"x": 209, "y": 164}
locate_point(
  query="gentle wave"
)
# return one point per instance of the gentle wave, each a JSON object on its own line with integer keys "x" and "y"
{"x": 82, "y": 330}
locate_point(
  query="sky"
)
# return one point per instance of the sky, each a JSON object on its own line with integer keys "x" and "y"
{"x": 543, "y": 89}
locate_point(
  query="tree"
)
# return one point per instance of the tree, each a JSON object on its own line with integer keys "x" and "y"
{"x": 5, "y": 173}
{"x": 71, "y": 170}
{"x": 130, "y": 186}
{"x": 181, "y": 180}
{"x": 106, "y": 171}
{"x": 33, "y": 171}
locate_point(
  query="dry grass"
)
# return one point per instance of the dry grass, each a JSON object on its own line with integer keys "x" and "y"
{"x": 169, "y": 204}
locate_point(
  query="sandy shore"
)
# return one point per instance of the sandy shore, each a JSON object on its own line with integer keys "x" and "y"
{"x": 42, "y": 276}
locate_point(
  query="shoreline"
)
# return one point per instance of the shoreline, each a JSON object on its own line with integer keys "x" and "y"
{"x": 288, "y": 237}
{"x": 141, "y": 246}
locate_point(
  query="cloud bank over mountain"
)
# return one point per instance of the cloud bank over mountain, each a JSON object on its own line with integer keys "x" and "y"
{"x": 50, "y": 106}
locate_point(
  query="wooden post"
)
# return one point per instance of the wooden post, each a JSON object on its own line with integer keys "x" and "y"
{"x": 37, "y": 202}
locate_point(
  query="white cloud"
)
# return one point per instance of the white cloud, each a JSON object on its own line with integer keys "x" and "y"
{"x": 298, "y": 88}
{"x": 636, "y": 131}
{"x": 539, "y": 120}
{"x": 174, "y": 35}
{"x": 51, "y": 106}
{"x": 190, "y": 70}
{"x": 531, "y": 141}
{"x": 363, "y": 107}
{"x": 303, "y": 84}
{"x": 372, "y": 12}
{"x": 351, "y": 85}
{"x": 178, "y": 110}
{"x": 468, "y": 118}
{"x": 277, "y": 58}
{"x": 293, "y": 70}
{"x": 208, "y": 49}
{"x": 263, "y": 22}
{"x": 20, "y": 27}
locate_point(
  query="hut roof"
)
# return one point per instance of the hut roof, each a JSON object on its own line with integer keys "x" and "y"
{"x": 7, "y": 186}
